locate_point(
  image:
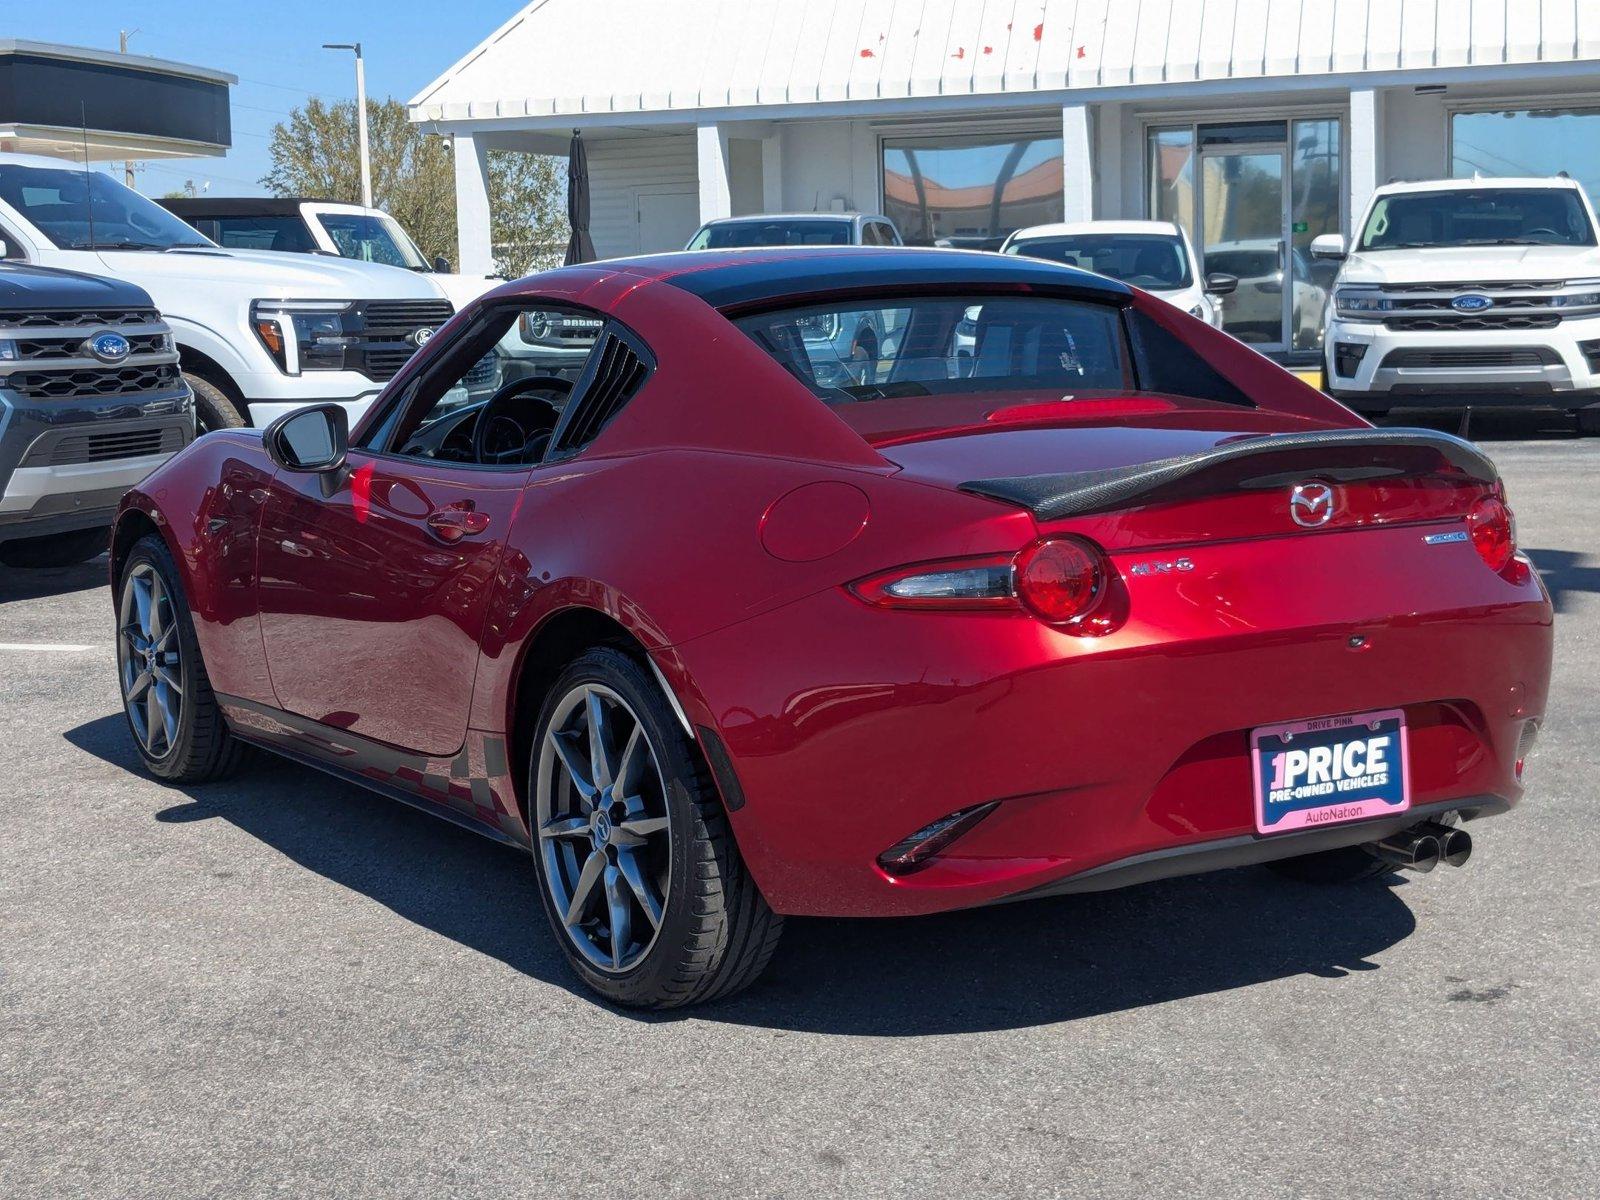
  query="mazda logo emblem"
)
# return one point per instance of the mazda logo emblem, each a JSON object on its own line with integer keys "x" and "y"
{"x": 1311, "y": 504}
{"x": 109, "y": 347}
{"x": 1472, "y": 303}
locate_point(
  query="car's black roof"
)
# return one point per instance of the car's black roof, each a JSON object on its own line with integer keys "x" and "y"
{"x": 237, "y": 206}
{"x": 737, "y": 279}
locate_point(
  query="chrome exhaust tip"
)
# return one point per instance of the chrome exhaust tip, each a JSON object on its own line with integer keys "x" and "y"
{"x": 1409, "y": 849}
{"x": 1455, "y": 843}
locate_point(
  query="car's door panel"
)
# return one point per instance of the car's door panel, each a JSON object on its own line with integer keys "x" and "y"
{"x": 373, "y": 599}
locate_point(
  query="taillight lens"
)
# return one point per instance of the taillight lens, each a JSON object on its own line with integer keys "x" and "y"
{"x": 1060, "y": 578}
{"x": 1493, "y": 532}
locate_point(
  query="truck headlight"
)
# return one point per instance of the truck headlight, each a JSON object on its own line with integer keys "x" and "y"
{"x": 302, "y": 335}
{"x": 1361, "y": 303}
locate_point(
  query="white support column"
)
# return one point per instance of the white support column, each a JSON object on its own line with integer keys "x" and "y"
{"x": 716, "y": 200}
{"x": 772, "y": 173}
{"x": 1077, "y": 162}
{"x": 1111, "y": 204}
{"x": 1366, "y": 167}
{"x": 475, "y": 253}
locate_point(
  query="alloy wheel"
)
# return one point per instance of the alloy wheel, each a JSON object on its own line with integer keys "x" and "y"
{"x": 150, "y": 660}
{"x": 603, "y": 827}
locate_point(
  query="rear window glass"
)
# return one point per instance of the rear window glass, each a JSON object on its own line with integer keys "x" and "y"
{"x": 1151, "y": 261}
{"x": 853, "y": 351}
{"x": 739, "y": 234}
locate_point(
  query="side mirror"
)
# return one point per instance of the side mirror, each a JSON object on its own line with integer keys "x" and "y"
{"x": 1328, "y": 245}
{"x": 1219, "y": 284}
{"x": 311, "y": 441}
{"x": 441, "y": 264}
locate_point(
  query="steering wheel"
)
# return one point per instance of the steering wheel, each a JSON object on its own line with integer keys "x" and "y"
{"x": 505, "y": 434}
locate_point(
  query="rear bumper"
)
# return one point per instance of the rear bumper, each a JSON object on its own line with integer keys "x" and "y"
{"x": 1111, "y": 759}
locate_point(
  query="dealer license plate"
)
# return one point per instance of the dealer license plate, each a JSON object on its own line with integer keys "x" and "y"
{"x": 1330, "y": 770}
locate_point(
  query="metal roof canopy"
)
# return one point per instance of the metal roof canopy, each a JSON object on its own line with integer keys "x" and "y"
{"x": 650, "y": 62}
{"x": 54, "y": 99}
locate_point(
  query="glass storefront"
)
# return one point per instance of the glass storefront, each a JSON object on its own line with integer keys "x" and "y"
{"x": 1535, "y": 142}
{"x": 971, "y": 191}
{"x": 1252, "y": 195}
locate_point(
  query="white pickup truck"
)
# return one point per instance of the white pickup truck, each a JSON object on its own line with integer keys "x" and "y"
{"x": 258, "y": 333}
{"x": 1468, "y": 293}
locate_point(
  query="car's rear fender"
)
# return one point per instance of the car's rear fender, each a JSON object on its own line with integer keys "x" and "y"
{"x": 854, "y": 726}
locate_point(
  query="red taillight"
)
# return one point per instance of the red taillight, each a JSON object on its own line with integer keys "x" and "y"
{"x": 1060, "y": 578}
{"x": 1494, "y": 535}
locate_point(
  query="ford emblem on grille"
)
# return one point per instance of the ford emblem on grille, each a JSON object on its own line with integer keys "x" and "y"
{"x": 1471, "y": 303}
{"x": 109, "y": 347}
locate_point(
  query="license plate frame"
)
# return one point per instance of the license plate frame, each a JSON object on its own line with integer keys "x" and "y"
{"x": 1315, "y": 790}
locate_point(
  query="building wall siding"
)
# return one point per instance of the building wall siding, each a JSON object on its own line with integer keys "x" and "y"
{"x": 618, "y": 169}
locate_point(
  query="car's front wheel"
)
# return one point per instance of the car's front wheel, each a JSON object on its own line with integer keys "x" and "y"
{"x": 641, "y": 880}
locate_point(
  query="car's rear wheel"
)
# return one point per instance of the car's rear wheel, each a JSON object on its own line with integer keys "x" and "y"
{"x": 1349, "y": 864}
{"x": 640, "y": 877}
{"x": 57, "y": 550}
{"x": 213, "y": 408}
{"x": 177, "y": 726}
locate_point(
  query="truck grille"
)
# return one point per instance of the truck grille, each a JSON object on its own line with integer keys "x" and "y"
{"x": 37, "y": 348}
{"x": 106, "y": 441}
{"x": 385, "y": 332}
{"x": 1469, "y": 357}
{"x": 1476, "y": 321}
{"x": 111, "y": 381}
{"x": 66, "y": 318}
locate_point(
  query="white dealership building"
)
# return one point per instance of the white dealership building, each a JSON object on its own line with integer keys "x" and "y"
{"x": 1258, "y": 124}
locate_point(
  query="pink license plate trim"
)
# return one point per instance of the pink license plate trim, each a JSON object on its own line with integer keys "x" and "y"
{"x": 1337, "y": 812}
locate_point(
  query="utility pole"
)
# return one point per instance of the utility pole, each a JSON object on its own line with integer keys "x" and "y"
{"x": 122, "y": 48}
{"x": 361, "y": 117}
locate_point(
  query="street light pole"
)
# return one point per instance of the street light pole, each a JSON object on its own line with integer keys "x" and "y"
{"x": 361, "y": 117}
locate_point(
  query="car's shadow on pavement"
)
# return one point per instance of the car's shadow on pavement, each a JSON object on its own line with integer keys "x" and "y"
{"x": 1565, "y": 572}
{"x": 40, "y": 583}
{"x": 1010, "y": 966}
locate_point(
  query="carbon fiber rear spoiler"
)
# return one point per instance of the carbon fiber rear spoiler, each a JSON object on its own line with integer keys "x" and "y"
{"x": 1251, "y": 463}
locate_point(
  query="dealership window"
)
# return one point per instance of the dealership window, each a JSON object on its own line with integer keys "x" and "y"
{"x": 1536, "y": 142}
{"x": 971, "y": 191}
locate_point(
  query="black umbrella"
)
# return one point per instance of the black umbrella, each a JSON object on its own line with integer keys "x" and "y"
{"x": 580, "y": 249}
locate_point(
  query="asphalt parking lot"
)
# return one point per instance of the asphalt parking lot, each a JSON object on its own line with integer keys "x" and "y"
{"x": 284, "y": 985}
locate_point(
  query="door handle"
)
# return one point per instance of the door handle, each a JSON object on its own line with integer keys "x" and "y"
{"x": 452, "y": 524}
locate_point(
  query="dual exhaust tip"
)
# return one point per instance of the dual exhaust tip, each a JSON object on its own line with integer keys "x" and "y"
{"x": 1423, "y": 847}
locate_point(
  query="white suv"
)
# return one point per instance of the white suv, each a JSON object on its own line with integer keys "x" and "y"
{"x": 258, "y": 333}
{"x": 1468, "y": 293}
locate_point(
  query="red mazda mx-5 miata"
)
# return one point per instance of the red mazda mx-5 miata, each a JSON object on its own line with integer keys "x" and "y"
{"x": 850, "y": 582}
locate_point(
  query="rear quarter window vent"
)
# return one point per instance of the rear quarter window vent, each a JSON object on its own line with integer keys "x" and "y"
{"x": 617, "y": 372}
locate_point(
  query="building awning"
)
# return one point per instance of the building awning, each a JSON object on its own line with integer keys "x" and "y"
{"x": 58, "y": 99}
{"x": 558, "y": 58}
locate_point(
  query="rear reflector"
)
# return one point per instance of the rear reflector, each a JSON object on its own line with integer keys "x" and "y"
{"x": 912, "y": 853}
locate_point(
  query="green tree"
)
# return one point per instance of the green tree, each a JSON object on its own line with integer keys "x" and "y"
{"x": 316, "y": 153}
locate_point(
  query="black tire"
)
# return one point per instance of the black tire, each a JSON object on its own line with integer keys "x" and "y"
{"x": 214, "y": 408}
{"x": 1348, "y": 864}
{"x": 1588, "y": 421}
{"x": 202, "y": 747}
{"x": 57, "y": 550}
{"x": 716, "y": 933}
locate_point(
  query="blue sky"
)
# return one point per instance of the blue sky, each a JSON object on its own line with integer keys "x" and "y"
{"x": 275, "y": 49}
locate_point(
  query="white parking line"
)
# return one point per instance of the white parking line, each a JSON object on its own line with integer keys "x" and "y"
{"x": 65, "y": 647}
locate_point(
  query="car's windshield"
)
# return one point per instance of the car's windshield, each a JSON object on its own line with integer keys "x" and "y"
{"x": 88, "y": 210}
{"x": 1487, "y": 216}
{"x": 854, "y": 351}
{"x": 1149, "y": 260}
{"x": 802, "y": 232}
{"x": 372, "y": 239}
